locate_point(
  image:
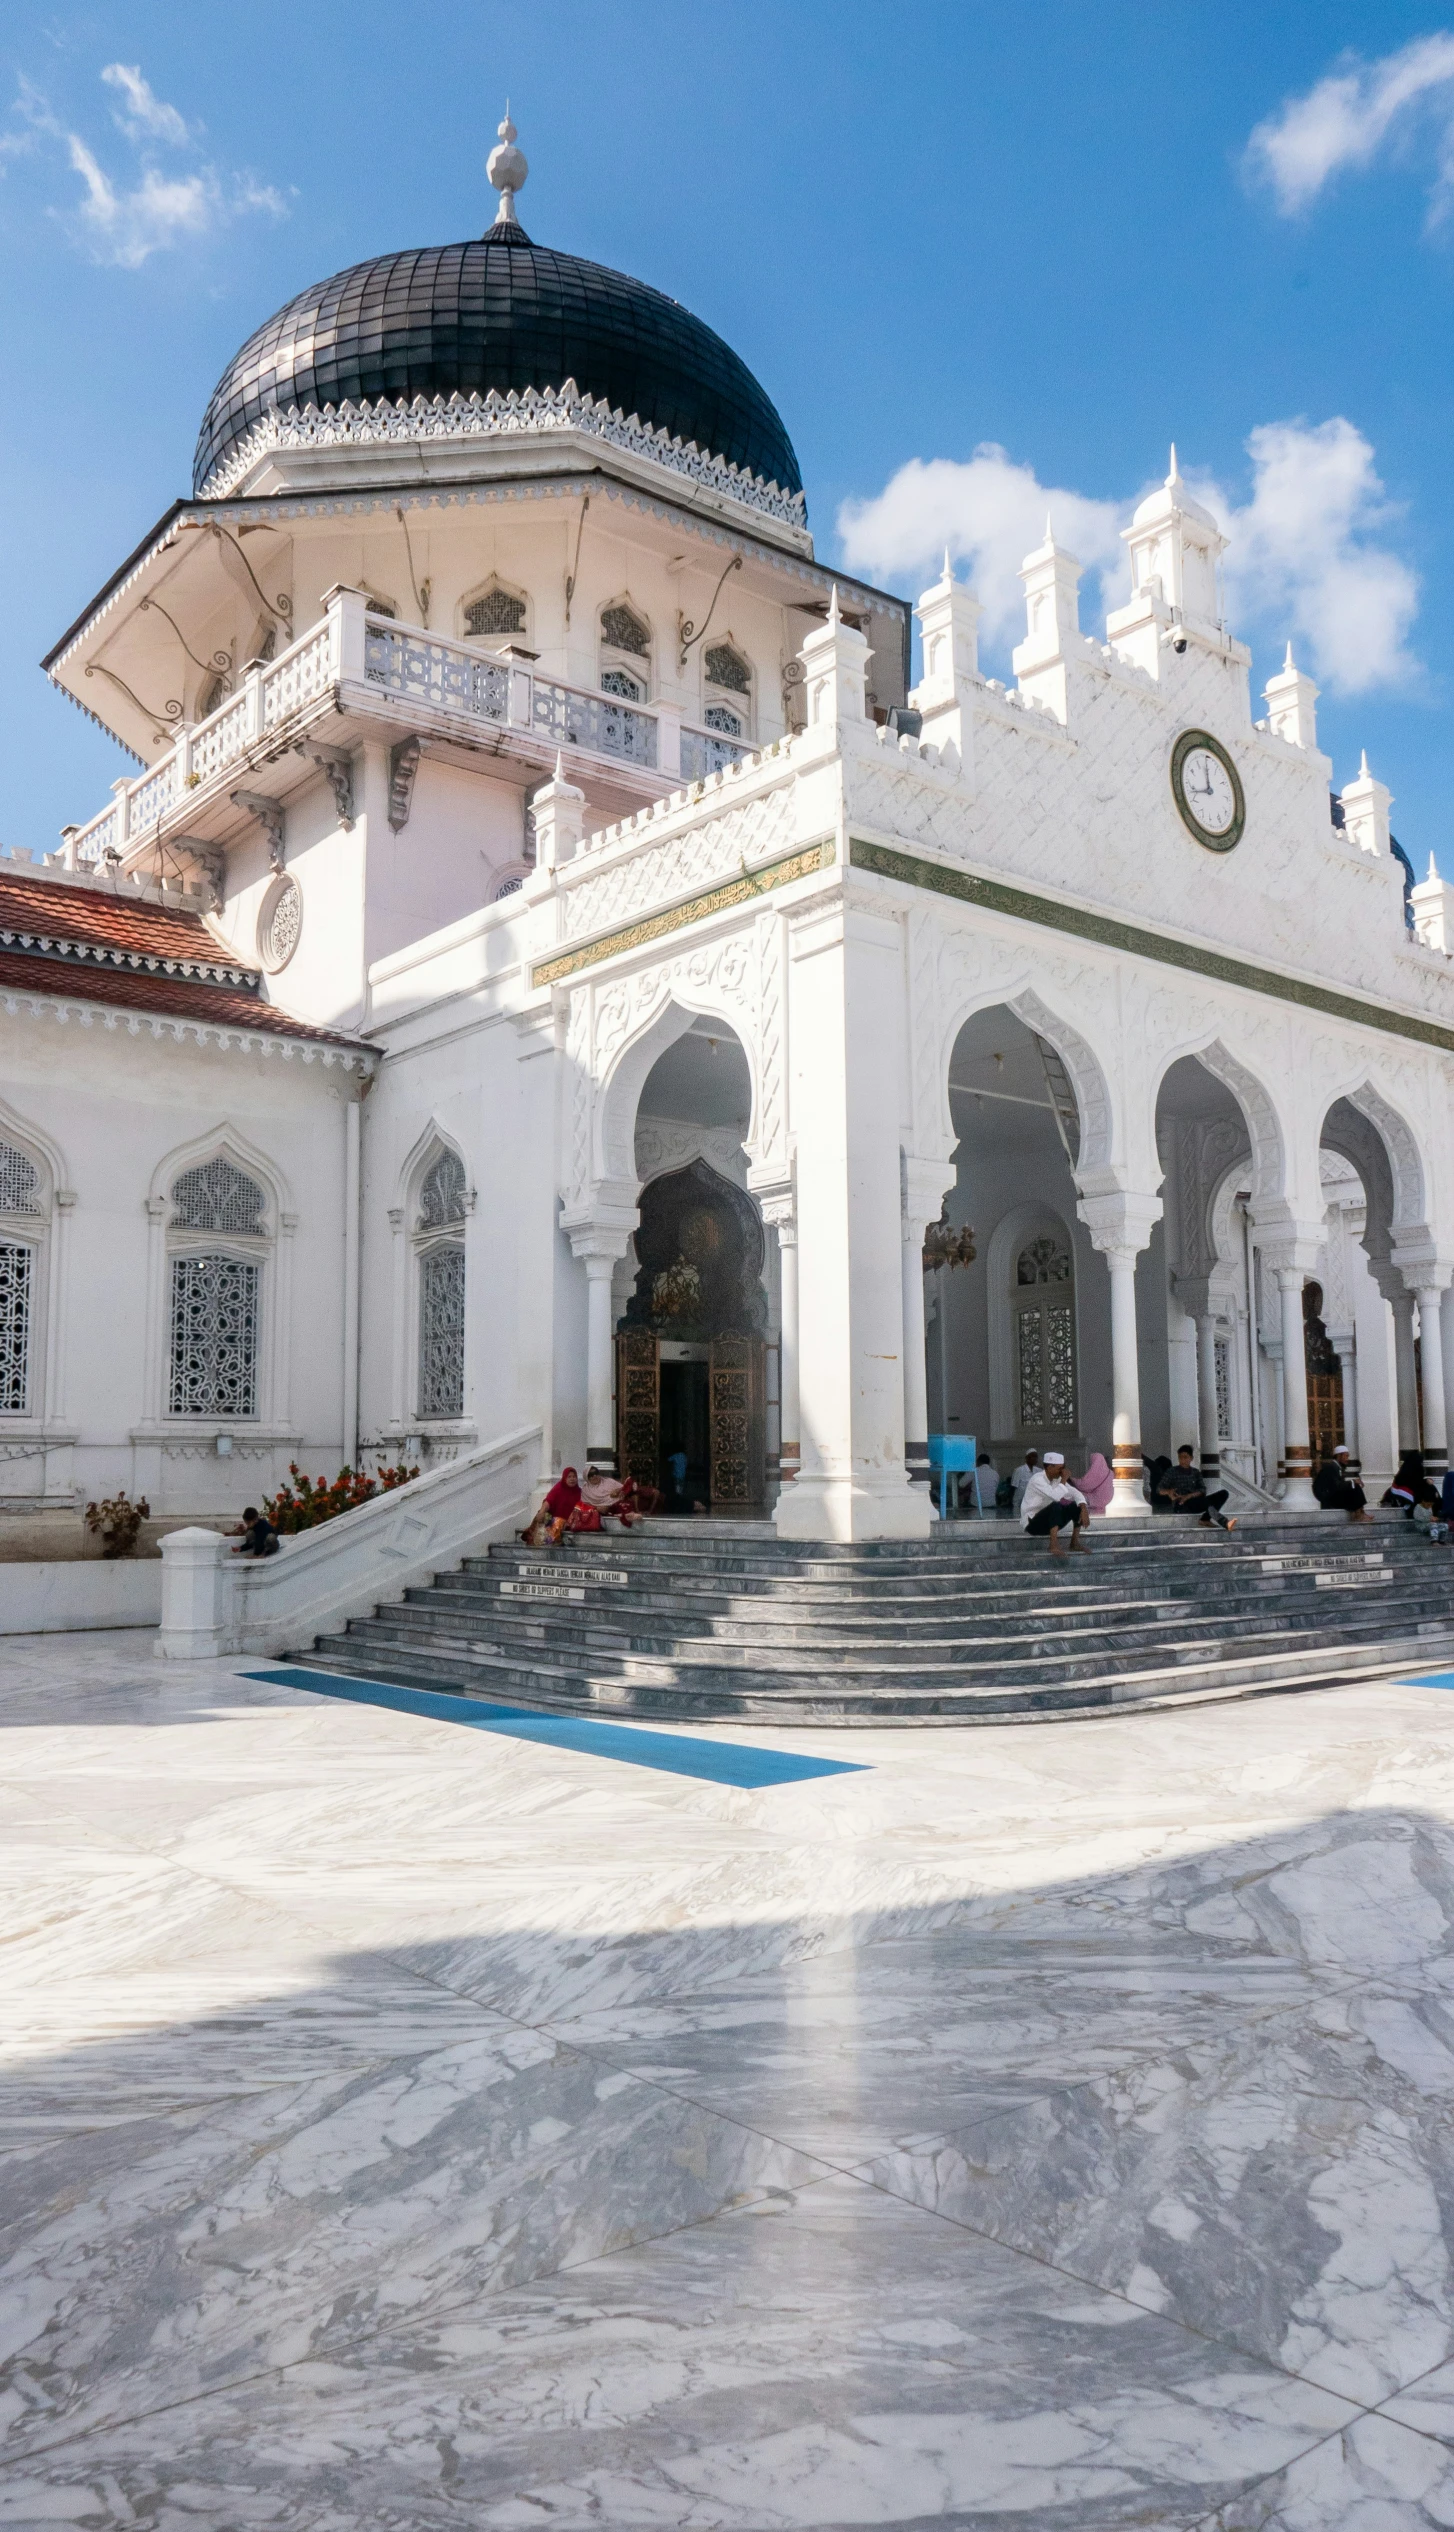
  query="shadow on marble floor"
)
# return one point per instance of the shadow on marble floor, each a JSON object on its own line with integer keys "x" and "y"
{"x": 1119, "y": 2198}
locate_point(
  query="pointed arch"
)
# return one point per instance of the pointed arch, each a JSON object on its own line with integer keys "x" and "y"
{"x": 32, "y": 1226}
{"x": 436, "y": 1199}
{"x": 1409, "y": 1221}
{"x": 1259, "y": 1110}
{"x": 219, "y": 1284}
{"x": 1084, "y": 1070}
{"x": 632, "y": 1039}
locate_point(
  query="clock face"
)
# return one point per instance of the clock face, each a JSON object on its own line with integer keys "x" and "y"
{"x": 1208, "y": 791}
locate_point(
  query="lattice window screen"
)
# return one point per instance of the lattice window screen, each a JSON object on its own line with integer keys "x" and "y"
{"x": 19, "y": 1182}
{"x": 720, "y": 716}
{"x": 218, "y": 1197}
{"x": 213, "y": 1337}
{"x": 17, "y": 1270}
{"x": 726, "y": 667}
{"x": 441, "y": 1330}
{"x": 442, "y": 1196}
{"x": 495, "y": 612}
{"x": 1223, "y": 1360}
{"x": 625, "y": 632}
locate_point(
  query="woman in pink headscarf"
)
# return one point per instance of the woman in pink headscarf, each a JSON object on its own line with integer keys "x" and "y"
{"x": 1097, "y": 1485}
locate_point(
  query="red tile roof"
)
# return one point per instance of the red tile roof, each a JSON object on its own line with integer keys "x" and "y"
{"x": 117, "y": 923}
{"x": 168, "y": 997}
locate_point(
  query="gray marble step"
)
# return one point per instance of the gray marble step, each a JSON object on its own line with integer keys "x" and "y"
{"x": 668, "y": 1623}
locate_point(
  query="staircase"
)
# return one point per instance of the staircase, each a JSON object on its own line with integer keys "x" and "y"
{"x": 722, "y": 1622}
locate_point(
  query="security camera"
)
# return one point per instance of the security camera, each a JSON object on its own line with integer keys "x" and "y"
{"x": 1176, "y": 637}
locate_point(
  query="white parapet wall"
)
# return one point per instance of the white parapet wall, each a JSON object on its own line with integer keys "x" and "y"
{"x": 64, "y": 1596}
{"x": 213, "y": 1601}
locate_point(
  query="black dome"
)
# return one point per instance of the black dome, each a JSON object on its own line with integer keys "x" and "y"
{"x": 498, "y": 312}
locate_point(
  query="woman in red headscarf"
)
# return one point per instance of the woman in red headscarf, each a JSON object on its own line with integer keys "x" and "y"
{"x": 560, "y": 1508}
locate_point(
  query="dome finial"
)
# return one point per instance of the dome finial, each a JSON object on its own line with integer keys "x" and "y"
{"x": 507, "y": 168}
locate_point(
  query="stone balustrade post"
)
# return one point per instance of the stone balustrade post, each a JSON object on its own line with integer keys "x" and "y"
{"x": 669, "y": 740}
{"x": 199, "y": 1583}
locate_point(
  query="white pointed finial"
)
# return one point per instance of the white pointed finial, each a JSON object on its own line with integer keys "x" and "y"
{"x": 1174, "y": 477}
{"x": 834, "y": 617}
{"x": 507, "y": 168}
{"x": 1288, "y": 668}
{"x": 1433, "y": 868}
{"x": 1049, "y": 529}
{"x": 948, "y": 571}
{"x": 1363, "y": 774}
{"x": 559, "y": 774}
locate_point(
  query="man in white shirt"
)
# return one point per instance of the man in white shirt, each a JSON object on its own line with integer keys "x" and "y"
{"x": 1020, "y": 1478}
{"x": 1053, "y": 1504}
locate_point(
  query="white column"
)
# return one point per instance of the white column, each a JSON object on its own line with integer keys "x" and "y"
{"x": 845, "y": 972}
{"x": 351, "y": 1118}
{"x": 1431, "y": 1363}
{"x": 790, "y": 1443}
{"x": 1446, "y": 1331}
{"x": 1126, "y": 1463}
{"x": 1406, "y": 1371}
{"x": 1120, "y": 1224}
{"x": 1211, "y": 1456}
{"x": 1298, "y": 1494}
{"x": 600, "y": 1418}
{"x": 1347, "y": 1353}
{"x": 916, "y": 1373}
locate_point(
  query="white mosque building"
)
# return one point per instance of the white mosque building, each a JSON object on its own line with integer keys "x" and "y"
{"x": 551, "y": 971}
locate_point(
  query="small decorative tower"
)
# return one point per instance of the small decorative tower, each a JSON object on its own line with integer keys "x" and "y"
{"x": 949, "y": 615}
{"x": 1053, "y": 638}
{"x": 835, "y": 665}
{"x": 507, "y": 168}
{"x": 1291, "y": 700}
{"x": 1366, "y": 804}
{"x": 1175, "y": 547}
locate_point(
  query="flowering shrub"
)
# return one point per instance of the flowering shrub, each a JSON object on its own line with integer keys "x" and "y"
{"x": 119, "y": 1521}
{"x": 304, "y": 1503}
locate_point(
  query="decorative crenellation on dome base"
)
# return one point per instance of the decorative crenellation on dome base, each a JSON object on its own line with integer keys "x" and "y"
{"x": 536, "y": 411}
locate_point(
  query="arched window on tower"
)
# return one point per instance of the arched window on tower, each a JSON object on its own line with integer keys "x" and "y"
{"x": 496, "y": 615}
{"x": 22, "y": 1215}
{"x": 625, "y": 652}
{"x": 439, "y": 1249}
{"x": 1043, "y": 1303}
{"x": 218, "y": 1243}
{"x": 727, "y": 691}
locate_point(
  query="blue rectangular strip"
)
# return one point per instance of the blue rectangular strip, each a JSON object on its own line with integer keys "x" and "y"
{"x": 720, "y": 1762}
{"x": 1428, "y": 1679}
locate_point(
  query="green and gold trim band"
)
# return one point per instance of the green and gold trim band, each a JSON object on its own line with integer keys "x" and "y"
{"x": 804, "y": 864}
{"x": 1025, "y": 907}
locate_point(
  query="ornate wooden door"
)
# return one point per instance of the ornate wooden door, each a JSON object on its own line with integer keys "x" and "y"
{"x": 638, "y": 1406}
{"x": 739, "y": 1455}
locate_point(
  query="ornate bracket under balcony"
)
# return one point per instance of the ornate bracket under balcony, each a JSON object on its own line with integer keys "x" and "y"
{"x": 269, "y": 816}
{"x": 403, "y": 766}
{"x": 337, "y": 764}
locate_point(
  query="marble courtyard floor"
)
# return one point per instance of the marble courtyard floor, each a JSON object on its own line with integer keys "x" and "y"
{"x": 408, "y": 2126}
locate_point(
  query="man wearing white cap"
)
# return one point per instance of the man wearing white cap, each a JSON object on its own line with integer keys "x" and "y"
{"x": 1337, "y": 1489}
{"x": 1052, "y": 1504}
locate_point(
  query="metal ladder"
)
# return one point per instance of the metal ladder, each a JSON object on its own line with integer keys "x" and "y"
{"x": 1062, "y": 1099}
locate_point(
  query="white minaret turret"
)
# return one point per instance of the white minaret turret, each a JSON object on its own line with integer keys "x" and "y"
{"x": 507, "y": 168}
{"x": 1433, "y": 905}
{"x": 1175, "y": 548}
{"x": 835, "y": 669}
{"x": 1051, "y": 581}
{"x": 1366, "y": 804}
{"x": 1291, "y": 700}
{"x": 949, "y": 615}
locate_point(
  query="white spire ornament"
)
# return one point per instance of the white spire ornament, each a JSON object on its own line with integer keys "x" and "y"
{"x": 507, "y": 168}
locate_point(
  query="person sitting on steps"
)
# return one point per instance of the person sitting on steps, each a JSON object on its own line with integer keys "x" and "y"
{"x": 1184, "y": 1488}
{"x": 1052, "y": 1504}
{"x": 1336, "y": 1487}
{"x": 1020, "y": 1478}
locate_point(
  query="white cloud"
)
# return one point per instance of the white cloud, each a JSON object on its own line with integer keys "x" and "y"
{"x": 1305, "y": 562}
{"x": 125, "y": 228}
{"x": 989, "y": 512}
{"x": 1346, "y": 118}
{"x": 124, "y": 220}
{"x": 145, "y": 115}
{"x": 1305, "y": 554}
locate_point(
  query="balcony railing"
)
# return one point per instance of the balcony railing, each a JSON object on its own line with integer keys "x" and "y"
{"x": 416, "y": 667}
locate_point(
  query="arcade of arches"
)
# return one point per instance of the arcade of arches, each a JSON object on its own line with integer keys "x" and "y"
{"x": 1018, "y": 1302}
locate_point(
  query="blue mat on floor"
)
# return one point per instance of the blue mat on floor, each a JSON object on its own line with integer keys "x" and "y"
{"x": 720, "y": 1762}
{"x": 1428, "y": 1679}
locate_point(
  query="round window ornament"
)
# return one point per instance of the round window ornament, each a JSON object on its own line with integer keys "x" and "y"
{"x": 280, "y": 924}
{"x": 1207, "y": 789}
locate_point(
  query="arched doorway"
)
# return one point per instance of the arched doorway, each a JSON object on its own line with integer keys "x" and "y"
{"x": 1042, "y": 1308}
{"x": 1325, "y": 1379}
{"x": 693, "y": 1332}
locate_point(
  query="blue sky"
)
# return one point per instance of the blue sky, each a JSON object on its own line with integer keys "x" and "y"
{"x": 980, "y": 257}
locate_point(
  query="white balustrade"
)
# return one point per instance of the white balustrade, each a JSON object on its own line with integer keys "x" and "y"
{"x": 419, "y": 668}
